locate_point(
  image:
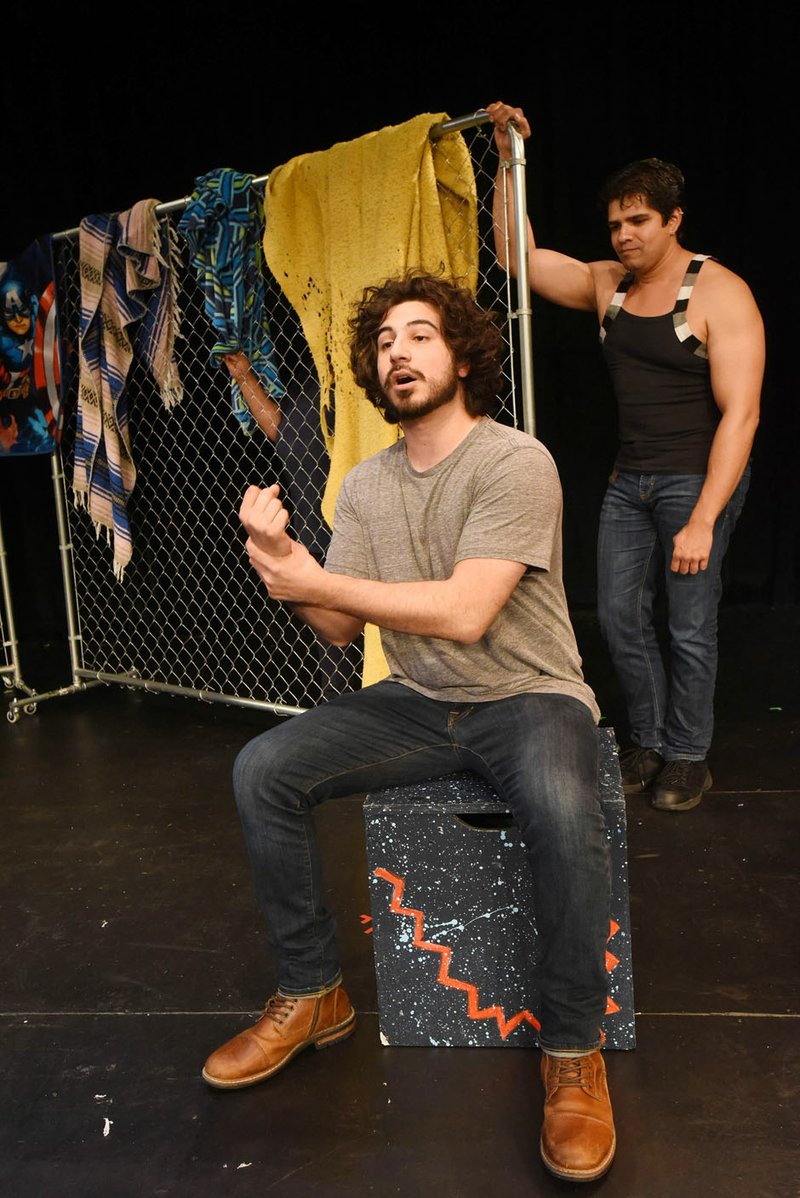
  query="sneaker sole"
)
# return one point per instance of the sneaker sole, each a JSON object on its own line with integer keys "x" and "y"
{"x": 330, "y": 1036}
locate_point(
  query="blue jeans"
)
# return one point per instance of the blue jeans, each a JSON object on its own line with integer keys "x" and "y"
{"x": 670, "y": 706}
{"x": 539, "y": 753}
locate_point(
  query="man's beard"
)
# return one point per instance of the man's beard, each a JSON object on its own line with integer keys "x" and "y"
{"x": 436, "y": 397}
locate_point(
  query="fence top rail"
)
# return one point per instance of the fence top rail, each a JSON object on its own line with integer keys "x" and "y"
{"x": 472, "y": 121}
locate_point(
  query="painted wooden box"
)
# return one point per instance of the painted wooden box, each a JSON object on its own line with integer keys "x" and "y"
{"x": 454, "y": 929}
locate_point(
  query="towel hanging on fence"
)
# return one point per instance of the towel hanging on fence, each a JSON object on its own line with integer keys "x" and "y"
{"x": 30, "y": 365}
{"x": 128, "y": 291}
{"x": 345, "y": 218}
{"x": 223, "y": 224}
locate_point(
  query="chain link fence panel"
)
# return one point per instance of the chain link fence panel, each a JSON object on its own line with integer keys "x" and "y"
{"x": 190, "y": 615}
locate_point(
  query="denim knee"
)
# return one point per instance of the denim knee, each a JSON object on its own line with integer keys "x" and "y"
{"x": 260, "y": 775}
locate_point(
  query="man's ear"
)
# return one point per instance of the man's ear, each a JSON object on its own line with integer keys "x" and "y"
{"x": 675, "y": 220}
{"x": 463, "y": 370}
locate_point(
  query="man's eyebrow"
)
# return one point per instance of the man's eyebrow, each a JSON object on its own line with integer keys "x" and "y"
{"x": 387, "y": 328}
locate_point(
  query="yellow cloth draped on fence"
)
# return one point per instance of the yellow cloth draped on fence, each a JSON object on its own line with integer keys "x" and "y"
{"x": 342, "y": 219}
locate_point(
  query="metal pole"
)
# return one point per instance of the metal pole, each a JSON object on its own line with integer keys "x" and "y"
{"x": 522, "y": 313}
{"x": 29, "y": 705}
{"x": 67, "y": 571}
{"x": 161, "y": 209}
{"x": 187, "y": 692}
{"x": 13, "y": 672}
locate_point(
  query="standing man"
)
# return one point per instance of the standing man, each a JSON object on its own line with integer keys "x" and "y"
{"x": 449, "y": 541}
{"x": 684, "y": 343}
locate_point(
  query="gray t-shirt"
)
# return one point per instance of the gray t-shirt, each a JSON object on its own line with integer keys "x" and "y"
{"x": 497, "y": 495}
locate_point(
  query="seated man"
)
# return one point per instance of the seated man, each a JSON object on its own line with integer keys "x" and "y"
{"x": 450, "y": 542}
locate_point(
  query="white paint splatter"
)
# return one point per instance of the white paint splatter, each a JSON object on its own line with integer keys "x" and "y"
{"x": 107, "y": 1126}
{"x": 245, "y": 1165}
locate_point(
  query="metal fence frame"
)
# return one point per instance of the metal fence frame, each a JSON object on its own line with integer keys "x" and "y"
{"x": 10, "y": 669}
{"x": 123, "y": 633}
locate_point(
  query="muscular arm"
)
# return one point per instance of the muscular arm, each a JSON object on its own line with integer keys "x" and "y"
{"x": 556, "y": 277}
{"x": 735, "y": 340}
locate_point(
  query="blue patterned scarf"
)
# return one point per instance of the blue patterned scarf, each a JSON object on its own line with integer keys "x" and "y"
{"x": 223, "y": 225}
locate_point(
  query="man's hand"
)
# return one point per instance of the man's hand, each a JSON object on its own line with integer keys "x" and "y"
{"x": 289, "y": 572}
{"x": 691, "y": 548}
{"x": 294, "y": 577}
{"x": 265, "y": 518}
{"x": 501, "y": 114}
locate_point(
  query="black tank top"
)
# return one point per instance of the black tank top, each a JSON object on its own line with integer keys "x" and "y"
{"x": 661, "y": 378}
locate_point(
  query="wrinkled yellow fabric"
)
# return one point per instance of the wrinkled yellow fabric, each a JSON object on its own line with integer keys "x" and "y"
{"x": 343, "y": 219}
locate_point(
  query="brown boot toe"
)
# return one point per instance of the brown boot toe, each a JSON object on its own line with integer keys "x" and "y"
{"x": 578, "y": 1138}
{"x": 287, "y": 1026}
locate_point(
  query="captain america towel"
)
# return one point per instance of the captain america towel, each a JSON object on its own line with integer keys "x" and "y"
{"x": 30, "y": 367}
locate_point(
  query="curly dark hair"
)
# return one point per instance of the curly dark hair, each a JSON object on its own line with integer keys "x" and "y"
{"x": 472, "y": 335}
{"x": 661, "y": 185}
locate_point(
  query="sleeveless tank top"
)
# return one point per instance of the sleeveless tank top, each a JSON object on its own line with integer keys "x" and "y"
{"x": 661, "y": 378}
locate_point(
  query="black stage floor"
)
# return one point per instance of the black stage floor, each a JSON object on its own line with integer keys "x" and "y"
{"x": 132, "y": 947}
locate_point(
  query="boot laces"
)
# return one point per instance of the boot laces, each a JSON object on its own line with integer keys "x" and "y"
{"x": 571, "y": 1071}
{"x": 278, "y": 1008}
{"x": 676, "y": 773}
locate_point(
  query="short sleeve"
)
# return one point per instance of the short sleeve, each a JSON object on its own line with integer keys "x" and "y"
{"x": 347, "y": 553}
{"x": 516, "y": 510}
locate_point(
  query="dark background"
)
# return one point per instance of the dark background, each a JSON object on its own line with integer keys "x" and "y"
{"x": 105, "y": 107}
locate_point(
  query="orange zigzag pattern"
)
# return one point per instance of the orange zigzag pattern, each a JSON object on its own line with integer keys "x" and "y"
{"x": 506, "y": 1026}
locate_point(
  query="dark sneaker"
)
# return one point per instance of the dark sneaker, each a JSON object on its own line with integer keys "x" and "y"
{"x": 681, "y": 785}
{"x": 639, "y": 767}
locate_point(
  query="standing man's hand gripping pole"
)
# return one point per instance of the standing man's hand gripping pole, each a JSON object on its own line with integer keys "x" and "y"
{"x": 554, "y": 276}
{"x": 504, "y": 219}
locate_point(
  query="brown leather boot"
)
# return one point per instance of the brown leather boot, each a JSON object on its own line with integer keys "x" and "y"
{"x": 578, "y": 1138}
{"x": 287, "y": 1026}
